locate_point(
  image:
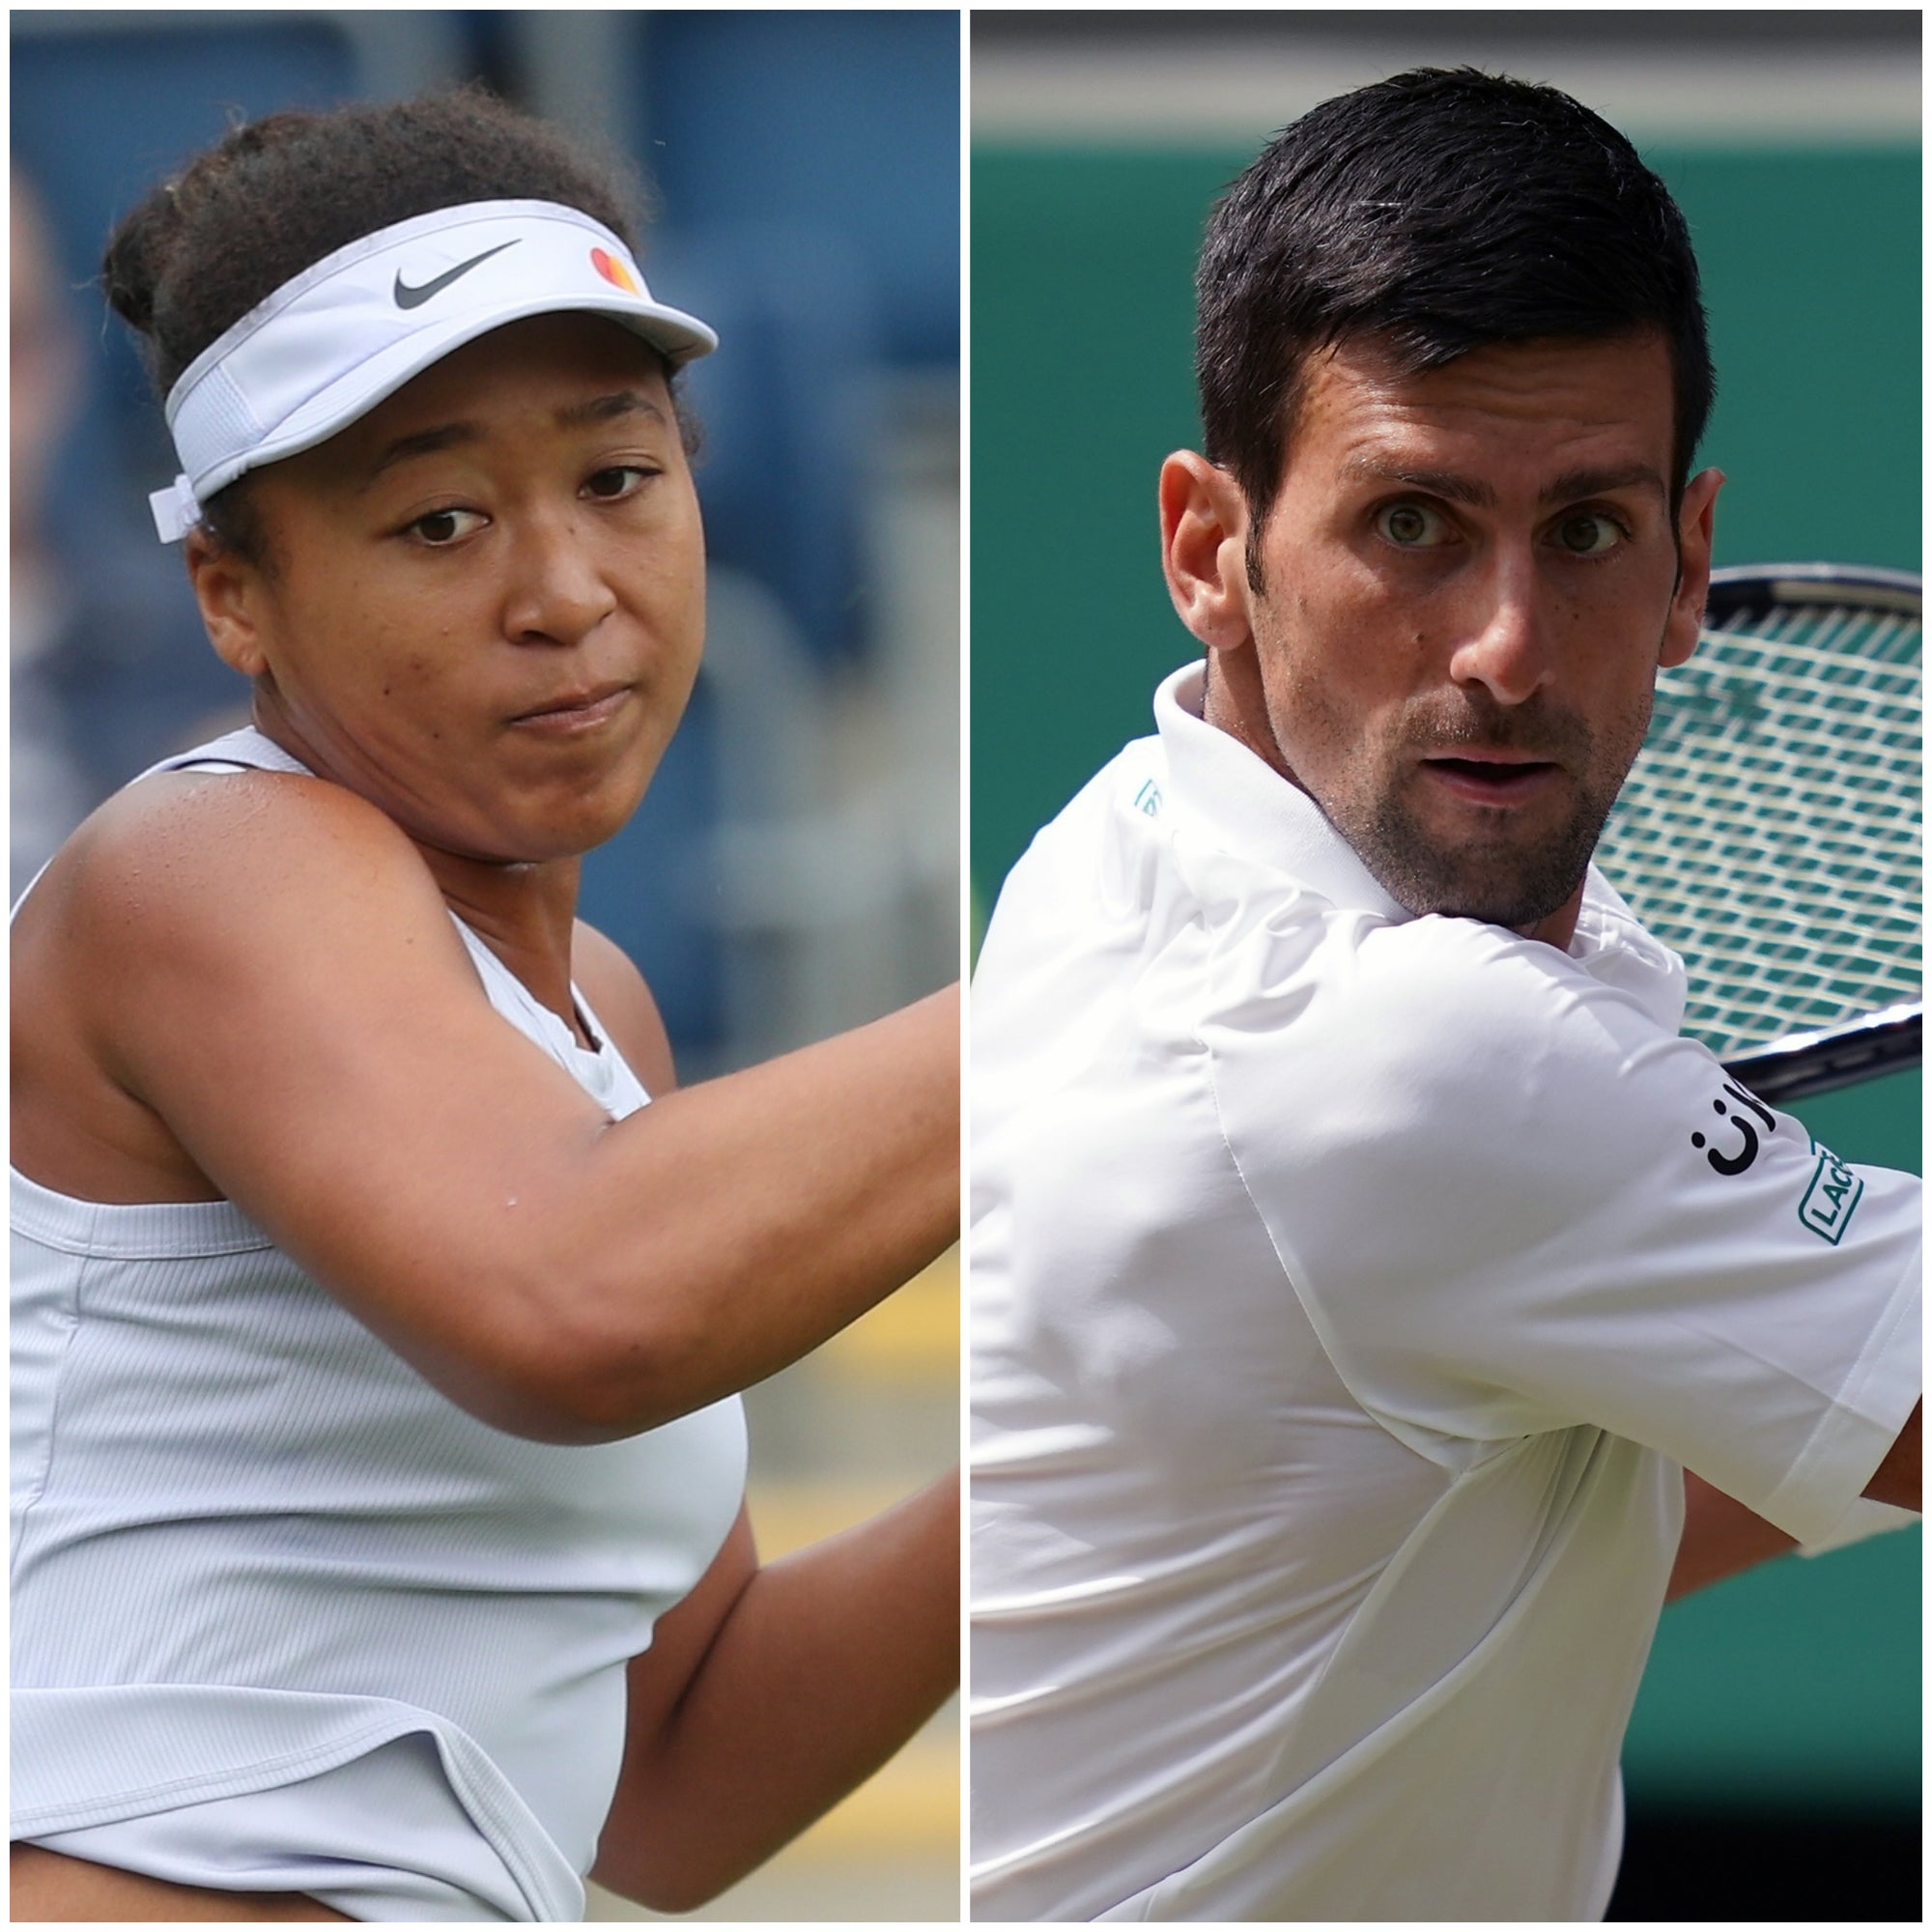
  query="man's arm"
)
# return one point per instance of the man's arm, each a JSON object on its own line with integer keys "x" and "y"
{"x": 1721, "y": 1537}
{"x": 1897, "y": 1479}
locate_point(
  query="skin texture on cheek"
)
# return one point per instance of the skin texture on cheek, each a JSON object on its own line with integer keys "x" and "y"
{"x": 1362, "y": 764}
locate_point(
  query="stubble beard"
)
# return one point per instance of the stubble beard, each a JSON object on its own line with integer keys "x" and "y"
{"x": 1505, "y": 871}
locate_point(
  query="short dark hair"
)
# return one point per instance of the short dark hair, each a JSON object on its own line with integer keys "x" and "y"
{"x": 278, "y": 195}
{"x": 1437, "y": 212}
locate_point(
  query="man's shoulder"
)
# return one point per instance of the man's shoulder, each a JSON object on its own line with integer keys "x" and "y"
{"x": 1427, "y": 1067}
{"x": 1422, "y": 1020}
{"x": 1133, "y": 785}
{"x": 1073, "y": 854}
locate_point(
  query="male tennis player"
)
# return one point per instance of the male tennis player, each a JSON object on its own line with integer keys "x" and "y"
{"x": 1360, "y": 1258}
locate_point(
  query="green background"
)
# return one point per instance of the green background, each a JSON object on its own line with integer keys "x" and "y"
{"x": 1799, "y": 1682}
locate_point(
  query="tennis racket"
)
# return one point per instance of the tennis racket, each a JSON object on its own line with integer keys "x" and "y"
{"x": 1770, "y": 829}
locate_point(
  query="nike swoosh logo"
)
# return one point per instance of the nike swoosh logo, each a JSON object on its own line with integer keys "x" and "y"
{"x": 409, "y": 297}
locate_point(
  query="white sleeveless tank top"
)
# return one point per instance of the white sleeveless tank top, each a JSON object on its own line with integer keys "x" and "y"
{"x": 284, "y": 1617}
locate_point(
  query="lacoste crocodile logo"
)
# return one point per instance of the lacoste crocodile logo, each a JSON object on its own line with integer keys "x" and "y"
{"x": 409, "y": 297}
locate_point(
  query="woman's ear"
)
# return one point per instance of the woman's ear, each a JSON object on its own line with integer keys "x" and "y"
{"x": 229, "y": 589}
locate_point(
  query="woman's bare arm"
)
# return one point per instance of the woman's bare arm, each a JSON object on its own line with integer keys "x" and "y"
{"x": 48, "y": 1887}
{"x": 271, "y": 974}
{"x": 769, "y": 1693}
{"x": 766, "y": 1696}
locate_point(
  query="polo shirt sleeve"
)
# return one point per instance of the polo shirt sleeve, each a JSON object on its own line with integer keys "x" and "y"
{"x": 1509, "y": 1201}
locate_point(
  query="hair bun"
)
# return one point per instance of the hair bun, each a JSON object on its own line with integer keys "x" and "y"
{"x": 137, "y": 255}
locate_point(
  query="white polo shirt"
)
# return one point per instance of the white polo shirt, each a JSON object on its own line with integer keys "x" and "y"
{"x": 1347, "y": 1289}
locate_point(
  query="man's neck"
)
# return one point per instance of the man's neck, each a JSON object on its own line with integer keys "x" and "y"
{"x": 1231, "y": 701}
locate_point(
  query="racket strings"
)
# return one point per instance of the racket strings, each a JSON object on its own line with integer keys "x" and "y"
{"x": 1771, "y": 830}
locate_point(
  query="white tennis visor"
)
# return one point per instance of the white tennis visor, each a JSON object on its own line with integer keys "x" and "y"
{"x": 325, "y": 348}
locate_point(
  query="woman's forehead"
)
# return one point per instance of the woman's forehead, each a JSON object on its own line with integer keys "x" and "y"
{"x": 542, "y": 353}
{"x": 557, "y": 374}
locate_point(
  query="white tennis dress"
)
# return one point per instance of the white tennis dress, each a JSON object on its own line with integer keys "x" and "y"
{"x": 284, "y": 1617}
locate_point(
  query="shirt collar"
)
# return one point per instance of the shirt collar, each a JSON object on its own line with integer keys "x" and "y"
{"x": 1250, "y": 807}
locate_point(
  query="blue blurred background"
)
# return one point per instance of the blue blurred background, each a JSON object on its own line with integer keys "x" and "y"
{"x": 1772, "y": 1765}
{"x": 795, "y": 868}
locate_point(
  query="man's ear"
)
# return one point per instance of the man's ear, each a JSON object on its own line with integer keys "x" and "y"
{"x": 1695, "y": 522}
{"x": 1203, "y": 543}
{"x": 229, "y": 589}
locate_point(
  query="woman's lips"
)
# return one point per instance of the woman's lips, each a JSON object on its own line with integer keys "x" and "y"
{"x": 577, "y": 712}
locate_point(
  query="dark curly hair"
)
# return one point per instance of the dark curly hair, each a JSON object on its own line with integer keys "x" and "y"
{"x": 278, "y": 195}
{"x": 1437, "y": 212}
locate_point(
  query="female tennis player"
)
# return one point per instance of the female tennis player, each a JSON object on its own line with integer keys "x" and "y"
{"x": 378, "y": 1549}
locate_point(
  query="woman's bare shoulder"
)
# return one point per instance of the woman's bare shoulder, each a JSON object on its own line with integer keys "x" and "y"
{"x": 188, "y": 899}
{"x": 174, "y": 858}
{"x": 189, "y": 827}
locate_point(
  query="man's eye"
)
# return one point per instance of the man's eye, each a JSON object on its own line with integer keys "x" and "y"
{"x": 1586, "y": 533}
{"x": 1411, "y": 525}
{"x": 621, "y": 480}
{"x": 441, "y": 528}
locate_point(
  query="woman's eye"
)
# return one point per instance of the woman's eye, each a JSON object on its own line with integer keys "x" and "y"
{"x": 1586, "y": 533}
{"x": 621, "y": 480}
{"x": 1411, "y": 525}
{"x": 441, "y": 528}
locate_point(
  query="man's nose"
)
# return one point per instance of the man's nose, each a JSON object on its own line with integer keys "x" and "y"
{"x": 1506, "y": 650}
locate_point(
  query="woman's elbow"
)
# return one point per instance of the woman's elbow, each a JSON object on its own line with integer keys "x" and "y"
{"x": 577, "y": 1371}
{"x": 680, "y": 1879}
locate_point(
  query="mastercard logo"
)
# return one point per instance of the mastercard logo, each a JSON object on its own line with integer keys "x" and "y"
{"x": 614, "y": 271}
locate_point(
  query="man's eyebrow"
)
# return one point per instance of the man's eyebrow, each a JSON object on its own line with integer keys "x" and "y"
{"x": 607, "y": 409}
{"x": 1447, "y": 483}
{"x": 1568, "y": 488}
{"x": 1576, "y": 483}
